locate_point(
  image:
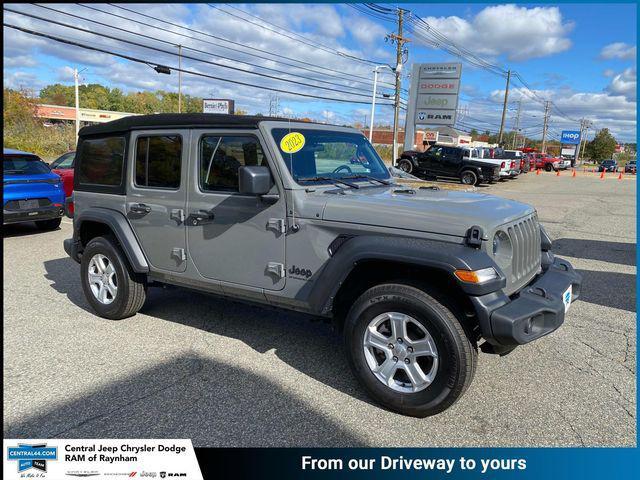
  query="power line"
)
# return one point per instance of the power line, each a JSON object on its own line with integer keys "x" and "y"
{"x": 168, "y": 52}
{"x": 183, "y": 46}
{"x": 339, "y": 72}
{"x": 191, "y": 72}
{"x": 302, "y": 39}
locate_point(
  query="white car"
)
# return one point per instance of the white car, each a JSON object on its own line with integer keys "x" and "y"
{"x": 505, "y": 164}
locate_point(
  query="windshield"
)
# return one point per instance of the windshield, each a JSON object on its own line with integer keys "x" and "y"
{"x": 24, "y": 165}
{"x": 608, "y": 162}
{"x": 328, "y": 154}
{"x": 65, "y": 161}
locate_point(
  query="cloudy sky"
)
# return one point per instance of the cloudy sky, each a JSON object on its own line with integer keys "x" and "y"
{"x": 580, "y": 57}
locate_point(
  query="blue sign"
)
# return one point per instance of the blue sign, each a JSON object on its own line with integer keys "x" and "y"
{"x": 32, "y": 456}
{"x": 570, "y": 137}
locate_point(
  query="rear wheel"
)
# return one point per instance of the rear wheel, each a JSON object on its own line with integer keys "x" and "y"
{"x": 49, "y": 224}
{"x": 409, "y": 350}
{"x": 548, "y": 167}
{"x": 110, "y": 285}
{"x": 405, "y": 165}
{"x": 468, "y": 178}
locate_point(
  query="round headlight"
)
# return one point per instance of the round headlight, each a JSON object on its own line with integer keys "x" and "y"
{"x": 502, "y": 249}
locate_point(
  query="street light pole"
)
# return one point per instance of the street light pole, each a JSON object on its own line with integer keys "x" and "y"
{"x": 373, "y": 101}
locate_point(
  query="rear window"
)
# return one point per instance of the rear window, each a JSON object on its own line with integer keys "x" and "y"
{"x": 101, "y": 161}
{"x": 158, "y": 160}
{"x": 23, "y": 165}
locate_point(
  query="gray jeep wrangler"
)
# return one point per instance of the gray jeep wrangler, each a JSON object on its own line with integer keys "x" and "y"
{"x": 306, "y": 217}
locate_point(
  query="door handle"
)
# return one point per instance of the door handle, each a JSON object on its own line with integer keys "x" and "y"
{"x": 200, "y": 217}
{"x": 140, "y": 208}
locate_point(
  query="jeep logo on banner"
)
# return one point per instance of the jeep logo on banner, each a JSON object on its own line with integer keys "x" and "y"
{"x": 570, "y": 137}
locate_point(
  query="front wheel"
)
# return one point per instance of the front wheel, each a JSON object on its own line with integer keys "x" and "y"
{"x": 468, "y": 178}
{"x": 548, "y": 167}
{"x": 110, "y": 285}
{"x": 408, "y": 350}
{"x": 405, "y": 165}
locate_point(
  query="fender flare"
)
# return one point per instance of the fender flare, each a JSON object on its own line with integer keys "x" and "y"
{"x": 444, "y": 256}
{"x": 122, "y": 230}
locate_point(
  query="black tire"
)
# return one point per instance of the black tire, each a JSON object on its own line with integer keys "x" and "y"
{"x": 405, "y": 165}
{"x": 548, "y": 167}
{"x": 457, "y": 354}
{"x": 468, "y": 177}
{"x": 132, "y": 289}
{"x": 49, "y": 224}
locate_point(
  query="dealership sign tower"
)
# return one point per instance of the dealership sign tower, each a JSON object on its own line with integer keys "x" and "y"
{"x": 433, "y": 97}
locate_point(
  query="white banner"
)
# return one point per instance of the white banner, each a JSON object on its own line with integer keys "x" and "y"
{"x": 100, "y": 459}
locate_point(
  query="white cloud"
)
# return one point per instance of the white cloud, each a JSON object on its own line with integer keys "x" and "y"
{"x": 618, "y": 50}
{"x": 520, "y": 33}
{"x": 366, "y": 32}
{"x": 624, "y": 84}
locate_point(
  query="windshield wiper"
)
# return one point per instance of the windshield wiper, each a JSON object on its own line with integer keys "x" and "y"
{"x": 368, "y": 177}
{"x": 328, "y": 179}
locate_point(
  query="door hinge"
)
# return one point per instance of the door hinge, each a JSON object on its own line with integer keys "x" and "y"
{"x": 177, "y": 214}
{"x": 179, "y": 253}
{"x": 276, "y": 268}
{"x": 277, "y": 224}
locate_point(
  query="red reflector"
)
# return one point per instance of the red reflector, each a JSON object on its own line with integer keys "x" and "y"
{"x": 502, "y": 165}
{"x": 57, "y": 204}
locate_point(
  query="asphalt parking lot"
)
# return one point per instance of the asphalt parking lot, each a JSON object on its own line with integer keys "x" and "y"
{"x": 228, "y": 374}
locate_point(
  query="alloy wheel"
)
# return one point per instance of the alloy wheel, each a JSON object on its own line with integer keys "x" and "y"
{"x": 102, "y": 279}
{"x": 400, "y": 352}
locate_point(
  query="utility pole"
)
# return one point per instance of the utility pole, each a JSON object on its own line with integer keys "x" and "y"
{"x": 399, "y": 41}
{"x": 373, "y": 100}
{"x": 504, "y": 108}
{"x": 75, "y": 78}
{"x": 179, "y": 78}
{"x": 584, "y": 126}
{"x": 545, "y": 127}
{"x": 517, "y": 126}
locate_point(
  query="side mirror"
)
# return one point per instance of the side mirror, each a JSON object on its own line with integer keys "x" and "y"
{"x": 254, "y": 180}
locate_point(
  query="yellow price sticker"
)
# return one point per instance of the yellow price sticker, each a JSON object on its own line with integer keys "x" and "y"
{"x": 292, "y": 142}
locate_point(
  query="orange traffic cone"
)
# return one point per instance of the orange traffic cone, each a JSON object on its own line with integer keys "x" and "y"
{"x": 620, "y": 176}
{"x": 602, "y": 174}
{"x": 558, "y": 173}
{"x": 537, "y": 171}
{"x": 573, "y": 174}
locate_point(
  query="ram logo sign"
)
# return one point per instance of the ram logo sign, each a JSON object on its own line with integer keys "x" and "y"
{"x": 570, "y": 137}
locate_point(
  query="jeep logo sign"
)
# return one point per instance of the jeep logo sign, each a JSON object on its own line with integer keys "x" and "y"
{"x": 570, "y": 137}
{"x": 437, "y": 101}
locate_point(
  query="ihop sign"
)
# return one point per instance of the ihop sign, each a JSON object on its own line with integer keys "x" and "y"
{"x": 570, "y": 137}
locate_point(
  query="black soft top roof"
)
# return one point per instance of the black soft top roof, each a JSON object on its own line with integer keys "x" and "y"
{"x": 169, "y": 120}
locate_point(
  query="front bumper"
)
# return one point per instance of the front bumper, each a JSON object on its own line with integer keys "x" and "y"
{"x": 534, "y": 311}
{"x": 31, "y": 215}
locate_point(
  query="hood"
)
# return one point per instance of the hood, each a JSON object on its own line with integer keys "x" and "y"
{"x": 445, "y": 212}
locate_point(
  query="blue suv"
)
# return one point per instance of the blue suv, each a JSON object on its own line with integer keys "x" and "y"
{"x": 30, "y": 191}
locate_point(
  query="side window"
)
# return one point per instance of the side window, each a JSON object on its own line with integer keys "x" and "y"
{"x": 101, "y": 161}
{"x": 158, "y": 161}
{"x": 435, "y": 152}
{"x": 220, "y": 158}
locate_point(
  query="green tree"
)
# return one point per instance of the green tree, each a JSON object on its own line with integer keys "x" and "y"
{"x": 58, "y": 94}
{"x": 602, "y": 146}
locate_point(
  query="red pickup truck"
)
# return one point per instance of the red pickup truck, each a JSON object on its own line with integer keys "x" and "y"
{"x": 545, "y": 161}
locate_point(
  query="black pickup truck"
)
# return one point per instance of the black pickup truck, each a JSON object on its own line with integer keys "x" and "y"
{"x": 449, "y": 162}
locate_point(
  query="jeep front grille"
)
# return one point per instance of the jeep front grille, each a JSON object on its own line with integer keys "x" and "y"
{"x": 525, "y": 240}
